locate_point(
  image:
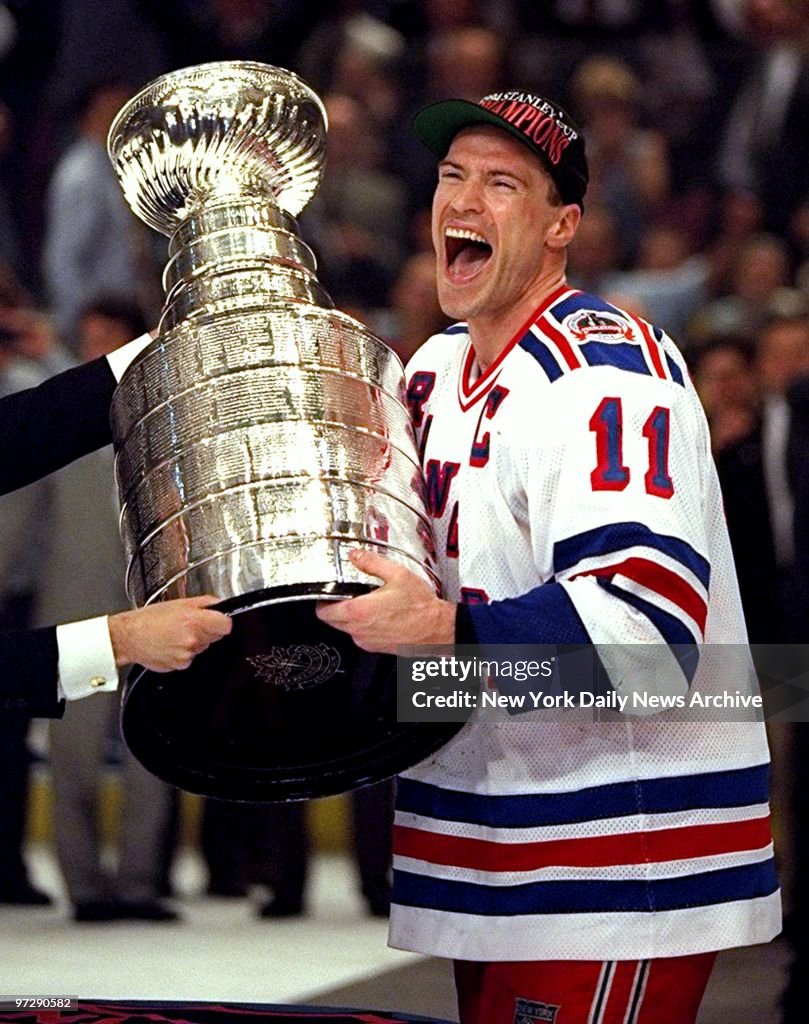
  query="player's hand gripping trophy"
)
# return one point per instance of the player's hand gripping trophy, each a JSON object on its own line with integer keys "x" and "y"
{"x": 259, "y": 438}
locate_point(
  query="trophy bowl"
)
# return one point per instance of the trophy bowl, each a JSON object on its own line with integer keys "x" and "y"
{"x": 260, "y": 438}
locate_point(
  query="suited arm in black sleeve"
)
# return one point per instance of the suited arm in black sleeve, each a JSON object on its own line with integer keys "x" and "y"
{"x": 28, "y": 670}
{"x": 45, "y": 428}
{"x": 41, "y": 430}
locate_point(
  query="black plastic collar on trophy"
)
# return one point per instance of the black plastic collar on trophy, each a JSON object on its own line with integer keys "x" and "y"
{"x": 267, "y": 736}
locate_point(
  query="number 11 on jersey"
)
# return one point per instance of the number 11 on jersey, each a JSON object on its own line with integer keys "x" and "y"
{"x": 610, "y": 473}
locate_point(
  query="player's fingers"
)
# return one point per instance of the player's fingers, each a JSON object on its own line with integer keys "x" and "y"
{"x": 339, "y": 614}
{"x": 375, "y": 565}
{"x": 214, "y": 625}
{"x": 202, "y": 601}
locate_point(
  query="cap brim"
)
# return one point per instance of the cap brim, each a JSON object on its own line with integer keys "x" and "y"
{"x": 439, "y": 123}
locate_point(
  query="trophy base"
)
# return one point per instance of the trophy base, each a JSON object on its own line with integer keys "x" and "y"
{"x": 284, "y": 708}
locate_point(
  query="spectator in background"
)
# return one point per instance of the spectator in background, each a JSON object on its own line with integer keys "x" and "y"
{"x": 764, "y": 143}
{"x": 553, "y": 37}
{"x": 783, "y": 357}
{"x": 35, "y": 339}
{"x": 83, "y": 576}
{"x": 666, "y": 285}
{"x": 366, "y": 68}
{"x": 629, "y": 164}
{"x": 413, "y": 312}
{"x": 24, "y": 534}
{"x": 759, "y": 271}
{"x": 93, "y": 242}
{"x": 744, "y": 391}
{"x": 595, "y": 251}
{"x": 463, "y": 60}
{"x": 724, "y": 374}
{"x": 353, "y": 53}
{"x": 739, "y": 215}
{"x": 671, "y": 282}
{"x": 786, "y": 367}
{"x": 357, "y": 220}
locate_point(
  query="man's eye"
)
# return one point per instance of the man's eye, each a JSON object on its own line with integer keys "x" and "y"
{"x": 448, "y": 174}
{"x": 504, "y": 184}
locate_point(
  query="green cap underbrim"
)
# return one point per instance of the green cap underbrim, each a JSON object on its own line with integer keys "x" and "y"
{"x": 439, "y": 123}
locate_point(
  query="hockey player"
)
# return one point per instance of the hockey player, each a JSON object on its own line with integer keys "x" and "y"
{"x": 577, "y": 873}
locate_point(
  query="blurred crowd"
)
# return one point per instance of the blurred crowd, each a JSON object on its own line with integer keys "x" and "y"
{"x": 697, "y": 218}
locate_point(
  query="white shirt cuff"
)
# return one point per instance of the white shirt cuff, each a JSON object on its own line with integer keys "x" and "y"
{"x": 123, "y": 356}
{"x": 86, "y": 659}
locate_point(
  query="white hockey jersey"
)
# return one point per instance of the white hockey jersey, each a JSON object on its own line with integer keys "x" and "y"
{"x": 575, "y": 499}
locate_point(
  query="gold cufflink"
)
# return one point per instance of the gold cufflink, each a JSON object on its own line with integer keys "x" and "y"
{"x": 98, "y": 681}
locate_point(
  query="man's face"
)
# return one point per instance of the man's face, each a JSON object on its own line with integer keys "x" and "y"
{"x": 783, "y": 355}
{"x": 491, "y": 224}
{"x": 99, "y": 335}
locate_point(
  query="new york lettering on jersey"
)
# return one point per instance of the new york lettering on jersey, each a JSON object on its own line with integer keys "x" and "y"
{"x": 439, "y": 472}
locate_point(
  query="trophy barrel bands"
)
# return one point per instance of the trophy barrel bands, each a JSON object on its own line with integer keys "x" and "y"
{"x": 273, "y": 394}
{"x": 215, "y": 130}
{"x": 256, "y": 515}
{"x": 268, "y": 452}
{"x": 238, "y": 212}
{"x": 279, "y": 334}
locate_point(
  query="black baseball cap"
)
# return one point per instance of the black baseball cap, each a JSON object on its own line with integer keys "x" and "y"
{"x": 544, "y": 127}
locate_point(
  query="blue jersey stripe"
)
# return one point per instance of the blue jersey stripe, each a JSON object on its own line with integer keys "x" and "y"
{"x": 620, "y": 355}
{"x": 544, "y": 615}
{"x": 584, "y": 301}
{"x": 543, "y": 355}
{"x": 675, "y": 371}
{"x": 672, "y": 629}
{"x": 727, "y": 885}
{"x": 604, "y": 540}
{"x": 457, "y": 329}
{"x": 739, "y": 787}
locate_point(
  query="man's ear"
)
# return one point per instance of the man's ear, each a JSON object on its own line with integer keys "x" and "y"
{"x": 563, "y": 230}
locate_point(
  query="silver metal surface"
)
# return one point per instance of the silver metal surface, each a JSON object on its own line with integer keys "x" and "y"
{"x": 236, "y": 247}
{"x": 234, "y": 290}
{"x": 217, "y": 131}
{"x": 279, "y": 334}
{"x": 259, "y": 439}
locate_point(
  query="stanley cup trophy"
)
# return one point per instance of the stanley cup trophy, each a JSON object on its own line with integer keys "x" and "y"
{"x": 258, "y": 439}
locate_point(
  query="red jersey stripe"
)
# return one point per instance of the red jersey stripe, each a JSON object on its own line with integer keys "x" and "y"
{"x": 561, "y": 342}
{"x": 470, "y": 391}
{"x": 662, "y": 581}
{"x": 652, "y": 348}
{"x": 655, "y": 846}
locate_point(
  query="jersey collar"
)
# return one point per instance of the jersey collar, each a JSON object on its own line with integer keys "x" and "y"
{"x": 470, "y": 390}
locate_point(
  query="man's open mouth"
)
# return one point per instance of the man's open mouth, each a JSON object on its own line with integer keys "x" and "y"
{"x": 467, "y": 252}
